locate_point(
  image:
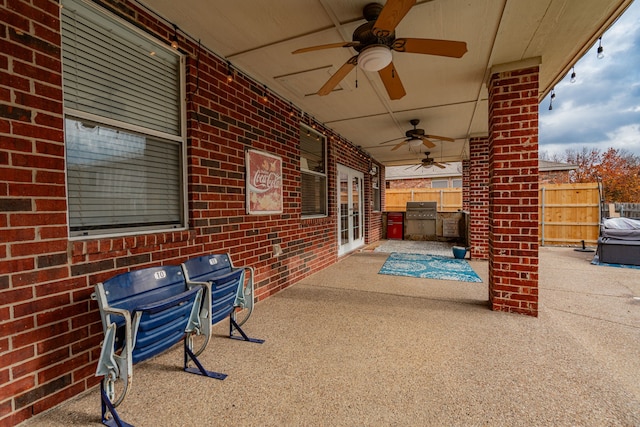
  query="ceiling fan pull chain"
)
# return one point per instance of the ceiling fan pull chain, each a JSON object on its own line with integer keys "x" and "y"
{"x": 356, "y": 77}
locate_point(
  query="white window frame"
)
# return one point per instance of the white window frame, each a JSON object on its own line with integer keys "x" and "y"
{"x": 439, "y": 183}
{"x": 75, "y": 114}
{"x": 304, "y": 170}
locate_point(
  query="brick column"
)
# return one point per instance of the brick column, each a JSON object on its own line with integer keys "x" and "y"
{"x": 479, "y": 197}
{"x": 466, "y": 171}
{"x": 513, "y": 187}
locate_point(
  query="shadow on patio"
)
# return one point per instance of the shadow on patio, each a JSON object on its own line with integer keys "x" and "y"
{"x": 348, "y": 346}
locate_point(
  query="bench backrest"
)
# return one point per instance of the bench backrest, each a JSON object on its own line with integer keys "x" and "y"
{"x": 163, "y": 302}
{"x": 226, "y": 281}
{"x": 140, "y": 287}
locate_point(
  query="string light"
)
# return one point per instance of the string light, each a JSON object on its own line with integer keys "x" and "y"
{"x": 229, "y": 72}
{"x": 553, "y": 95}
{"x": 573, "y": 75}
{"x": 174, "y": 38}
{"x": 600, "y": 48}
{"x": 265, "y": 99}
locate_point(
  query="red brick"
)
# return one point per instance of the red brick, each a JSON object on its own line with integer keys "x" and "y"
{"x": 13, "y": 296}
{"x": 17, "y": 387}
{"x": 34, "y": 336}
{"x": 15, "y": 265}
{"x": 56, "y": 370}
{"x": 42, "y": 304}
{"x": 25, "y": 220}
{"x": 38, "y": 247}
{"x": 66, "y": 311}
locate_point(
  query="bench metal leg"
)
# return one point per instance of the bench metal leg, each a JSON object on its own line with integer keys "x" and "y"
{"x": 233, "y": 325}
{"x": 199, "y": 369}
{"x": 108, "y": 408}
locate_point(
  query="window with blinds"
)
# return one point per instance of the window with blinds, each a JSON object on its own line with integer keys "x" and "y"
{"x": 313, "y": 167}
{"x": 113, "y": 71}
{"x": 375, "y": 192}
{"x": 123, "y": 126}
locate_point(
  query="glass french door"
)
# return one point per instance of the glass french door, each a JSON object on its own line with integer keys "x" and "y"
{"x": 350, "y": 209}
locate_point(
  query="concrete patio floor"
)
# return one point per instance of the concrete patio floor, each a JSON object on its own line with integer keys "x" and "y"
{"x": 350, "y": 347}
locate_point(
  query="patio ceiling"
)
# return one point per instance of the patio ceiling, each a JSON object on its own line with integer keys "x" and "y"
{"x": 448, "y": 95}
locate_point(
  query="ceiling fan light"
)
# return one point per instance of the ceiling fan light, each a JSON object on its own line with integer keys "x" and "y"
{"x": 374, "y": 58}
{"x": 415, "y": 142}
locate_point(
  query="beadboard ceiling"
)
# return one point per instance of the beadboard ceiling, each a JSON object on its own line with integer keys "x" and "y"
{"x": 447, "y": 95}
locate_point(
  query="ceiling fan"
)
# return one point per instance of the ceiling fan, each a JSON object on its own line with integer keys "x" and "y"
{"x": 427, "y": 162}
{"x": 374, "y": 42}
{"x": 417, "y": 137}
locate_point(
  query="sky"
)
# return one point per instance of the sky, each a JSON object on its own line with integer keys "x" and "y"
{"x": 601, "y": 109}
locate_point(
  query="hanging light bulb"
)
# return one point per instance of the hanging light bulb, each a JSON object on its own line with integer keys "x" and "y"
{"x": 174, "y": 38}
{"x": 573, "y": 75}
{"x": 600, "y": 48}
{"x": 553, "y": 95}
{"x": 229, "y": 72}
{"x": 264, "y": 98}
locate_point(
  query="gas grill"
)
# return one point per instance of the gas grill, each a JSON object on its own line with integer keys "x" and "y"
{"x": 420, "y": 220}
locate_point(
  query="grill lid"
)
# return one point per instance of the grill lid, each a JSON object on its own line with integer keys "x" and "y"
{"x": 422, "y": 206}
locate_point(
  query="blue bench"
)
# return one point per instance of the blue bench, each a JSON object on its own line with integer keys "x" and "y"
{"x": 144, "y": 313}
{"x": 229, "y": 292}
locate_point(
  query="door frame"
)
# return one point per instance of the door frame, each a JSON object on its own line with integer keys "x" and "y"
{"x": 353, "y": 242}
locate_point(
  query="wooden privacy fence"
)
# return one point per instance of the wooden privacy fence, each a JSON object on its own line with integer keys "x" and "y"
{"x": 448, "y": 199}
{"x": 568, "y": 213}
{"x": 628, "y": 210}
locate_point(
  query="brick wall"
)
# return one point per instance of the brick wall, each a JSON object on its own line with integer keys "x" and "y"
{"x": 410, "y": 183}
{"x": 479, "y": 197}
{"x": 466, "y": 179}
{"x": 50, "y": 329}
{"x": 513, "y": 191}
{"x": 554, "y": 177}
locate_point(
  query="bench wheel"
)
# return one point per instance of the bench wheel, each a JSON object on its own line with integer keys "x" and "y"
{"x": 242, "y": 313}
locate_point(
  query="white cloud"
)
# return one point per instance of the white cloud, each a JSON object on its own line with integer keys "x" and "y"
{"x": 625, "y": 137}
{"x": 602, "y": 108}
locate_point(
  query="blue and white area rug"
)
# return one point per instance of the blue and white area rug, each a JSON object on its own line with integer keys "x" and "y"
{"x": 429, "y": 267}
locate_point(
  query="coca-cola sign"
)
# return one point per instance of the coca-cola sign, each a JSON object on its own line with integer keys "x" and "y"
{"x": 264, "y": 183}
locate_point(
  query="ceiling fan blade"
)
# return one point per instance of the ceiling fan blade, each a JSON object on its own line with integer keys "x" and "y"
{"x": 450, "y": 48}
{"x": 440, "y": 138}
{"x": 391, "y": 140}
{"x": 440, "y": 165}
{"x": 338, "y": 76}
{"x": 390, "y": 16}
{"x": 427, "y": 143}
{"x": 326, "y": 46}
{"x": 399, "y": 145}
{"x": 392, "y": 82}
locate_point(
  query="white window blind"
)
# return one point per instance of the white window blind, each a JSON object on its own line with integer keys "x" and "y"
{"x": 314, "y": 194}
{"x": 113, "y": 71}
{"x": 119, "y": 180}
